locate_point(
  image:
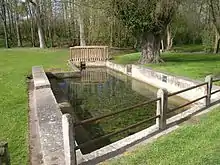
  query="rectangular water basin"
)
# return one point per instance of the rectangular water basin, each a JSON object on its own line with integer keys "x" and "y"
{"x": 101, "y": 91}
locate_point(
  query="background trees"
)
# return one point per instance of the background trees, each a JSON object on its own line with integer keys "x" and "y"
{"x": 60, "y": 23}
{"x": 64, "y": 23}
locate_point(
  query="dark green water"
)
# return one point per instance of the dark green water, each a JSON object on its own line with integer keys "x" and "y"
{"x": 101, "y": 91}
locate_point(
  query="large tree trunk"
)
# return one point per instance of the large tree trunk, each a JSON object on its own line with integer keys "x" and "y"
{"x": 150, "y": 48}
{"x": 217, "y": 41}
{"x": 169, "y": 38}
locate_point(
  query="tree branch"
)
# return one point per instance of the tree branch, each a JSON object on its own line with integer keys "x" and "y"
{"x": 212, "y": 11}
{"x": 32, "y": 2}
{"x": 2, "y": 13}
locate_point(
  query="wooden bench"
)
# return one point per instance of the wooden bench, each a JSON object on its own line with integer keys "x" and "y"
{"x": 4, "y": 154}
{"x": 88, "y": 53}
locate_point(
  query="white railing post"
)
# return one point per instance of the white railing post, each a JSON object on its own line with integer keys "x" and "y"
{"x": 162, "y": 107}
{"x": 208, "y": 79}
{"x": 69, "y": 140}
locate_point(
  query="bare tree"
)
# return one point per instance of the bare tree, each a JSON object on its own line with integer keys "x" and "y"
{"x": 18, "y": 33}
{"x": 80, "y": 19}
{"x": 38, "y": 15}
{"x": 4, "y": 21}
{"x": 169, "y": 38}
{"x": 30, "y": 13}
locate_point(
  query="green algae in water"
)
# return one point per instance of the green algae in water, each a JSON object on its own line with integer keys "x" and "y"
{"x": 101, "y": 91}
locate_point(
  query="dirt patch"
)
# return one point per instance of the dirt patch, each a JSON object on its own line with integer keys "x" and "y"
{"x": 193, "y": 120}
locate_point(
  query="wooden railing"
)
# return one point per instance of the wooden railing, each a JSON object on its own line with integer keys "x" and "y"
{"x": 162, "y": 112}
{"x": 88, "y": 53}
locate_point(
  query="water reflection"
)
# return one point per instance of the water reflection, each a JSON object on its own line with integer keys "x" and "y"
{"x": 100, "y": 91}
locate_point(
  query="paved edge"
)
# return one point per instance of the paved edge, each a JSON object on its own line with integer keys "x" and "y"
{"x": 49, "y": 119}
{"x": 35, "y": 155}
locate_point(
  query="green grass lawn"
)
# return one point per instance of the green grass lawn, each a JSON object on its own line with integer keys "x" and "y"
{"x": 195, "y": 66}
{"x": 196, "y": 143}
{"x": 188, "y": 48}
{"x": 15, "y": 65}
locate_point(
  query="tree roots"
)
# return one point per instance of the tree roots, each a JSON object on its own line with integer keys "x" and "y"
{"x": 157, "y": 60}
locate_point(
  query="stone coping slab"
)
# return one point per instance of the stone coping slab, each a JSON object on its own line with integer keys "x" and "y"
{"x": 40, "y": 78}
{"x": 50, "y": 127}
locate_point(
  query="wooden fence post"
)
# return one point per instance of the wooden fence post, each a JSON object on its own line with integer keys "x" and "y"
{"x": 208, "y": 79}
{"x": 69, "y": 140}
{"x": 4, "y": 154}
{"x": 162, "y": 106}
{"x": 70, "y": 56}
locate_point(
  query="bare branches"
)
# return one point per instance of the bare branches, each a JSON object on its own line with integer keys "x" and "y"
{"x": 32, "y": 2}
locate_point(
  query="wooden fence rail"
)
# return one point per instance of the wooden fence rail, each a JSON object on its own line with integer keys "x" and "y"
{"x": 88, "y": 53}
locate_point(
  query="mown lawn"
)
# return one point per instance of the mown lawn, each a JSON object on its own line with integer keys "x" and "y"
{"x": 193, "y": 65}
{"x": 188, "y": 142}
{"x": 196, "y": 143}
{"x": 15, "y": 65}
{"x": 188, "y": 48}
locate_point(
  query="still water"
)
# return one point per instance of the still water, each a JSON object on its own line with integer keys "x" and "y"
{"x": 101, "y": 91}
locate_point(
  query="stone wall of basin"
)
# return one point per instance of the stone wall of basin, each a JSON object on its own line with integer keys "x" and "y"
{"x": 163, "y": 80}
{"x": 117, "y": 67}
{"x": 170, "y": 82}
